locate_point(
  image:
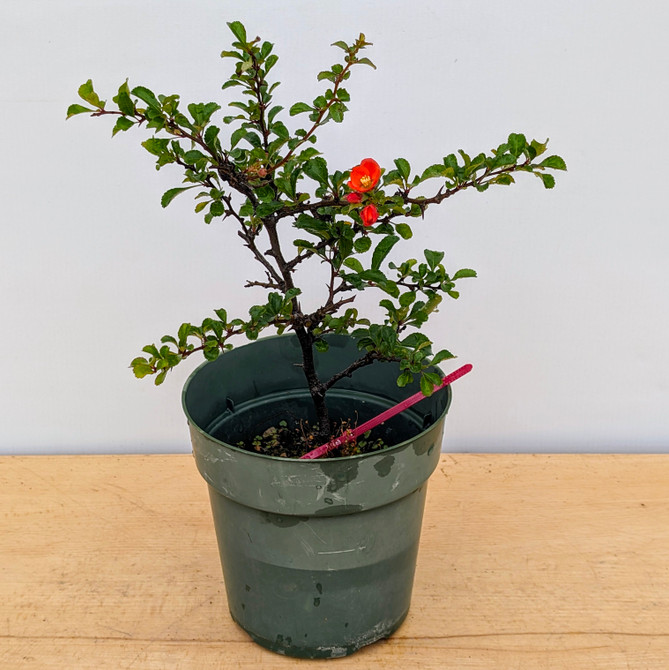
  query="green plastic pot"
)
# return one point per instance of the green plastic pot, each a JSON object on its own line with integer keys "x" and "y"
{"x": 318, "y": 556}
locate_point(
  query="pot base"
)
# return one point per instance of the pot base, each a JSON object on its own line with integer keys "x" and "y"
{"x": 285, "y": 646}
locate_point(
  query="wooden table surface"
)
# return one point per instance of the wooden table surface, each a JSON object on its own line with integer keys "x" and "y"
{"x": 526, "y": 562}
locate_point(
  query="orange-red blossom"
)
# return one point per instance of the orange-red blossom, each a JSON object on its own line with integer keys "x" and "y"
{"x": 369, "y": 215}
{"x": 365, "y": 177}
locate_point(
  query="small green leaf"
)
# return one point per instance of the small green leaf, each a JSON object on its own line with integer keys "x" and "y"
{"x": 433, "y": 258}
{"x": 341, "y": 44}
{"x": 321, "y": 346}
{"x": 517, "y": 143}
{"x": 465, "y": 272}
{"x": 156, "y": 145}
{"x": 426, "y": 386}
{"x": 124, "y": 101}
{"x": 375, "y": 276}
{"x": 317, "y": 169}
{"x": 362, "y": 244}
{"x": 238, "y": 30}
{"x": 77, "y": 109}
{"x": 553, "y": 162}
{"x": 168, "y": 196}
{"x": 141, "y": 367}
{"x": 87, "y": 93}
{"x": 354, "y": 264}
{"x": 538, "y": 147}
{"x": 299, "y": 108}
{"x": 434, "y": 171}
{"x": 275, "y": 301}
{"x": 403, "y": 167}
{"x": 217, "y": 208}
{"x": 365, "y": 61}
{"x": 404, "y": 231}
{"x": 337, "y": 112}
{"x": 146, "y": 95}
{"x": 382, "y": 250}
{"x": 404, "y": 379}
{"x": 122, "y": 123}
{"x": 548, "y": 179}
{"x": 443, "y": 355}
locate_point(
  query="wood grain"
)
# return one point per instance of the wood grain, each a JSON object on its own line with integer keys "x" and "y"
{"x": 546, "y": 562}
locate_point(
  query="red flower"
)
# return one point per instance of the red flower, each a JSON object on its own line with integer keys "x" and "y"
{"x": 365, "y": 177}
{"x": 369, "y": 215}
{"x": 353, "y": 197}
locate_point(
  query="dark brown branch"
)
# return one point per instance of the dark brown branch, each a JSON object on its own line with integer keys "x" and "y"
{"x": 362, "y": 362}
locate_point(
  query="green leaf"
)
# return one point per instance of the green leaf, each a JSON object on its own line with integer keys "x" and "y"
{"x": 87, "y": 93}
{"x": 354, "y": 264}
{"x": 217, "y": 208}
{"x": 426, "y": 386}
{"x": 193, "y": 156}
{"x": 503, "y": 179}
{"x": 146, "y": 95}
{"x": 365, "y": 61}
{"x": 404, "y": 379}
{"x": 373, "y": 276}
{"x": 362, "y": 244}
{"x": 517, "y": 143}
{"x": 404, "y": 231}
{"x": 382, "y": 250}
{"x": 141, "y": 367}
{"x": 443, "y": 355}
{"x": 321, "y": 346}
{"x": 122, "y": 124}
{"x": 77, "y": 109}
{"x": 124, "y": 101}
{"x": 465, "y": 272}
{"x": 168, "y": 196}
{"x": 211, "y": 136}
{"x": 337, "y": 112}
{"x": 343, "y": 95}
{"x": 538, "y": 147}
{"x": 403, "y": 167}
{"x": 433, "y": 258}
{"x": 317, "y": 169}
{"x": 268, "y": 208}
{"x": 238, "y": 30}
{"x": 156, "y": 145}
{"x": 341, "y": 44}
{"x": 553, "y": 162}
{"x": 151, "y": 349}
{"x": 202, "y": 112}
{"x": 299, "y": 108}
{"x": 548, "y": 179}
{"x": 275, "y": 301}
{"x": 432, "y": 171}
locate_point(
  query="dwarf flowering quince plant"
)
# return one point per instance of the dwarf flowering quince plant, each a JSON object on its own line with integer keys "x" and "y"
{"x": 269, "y": 183}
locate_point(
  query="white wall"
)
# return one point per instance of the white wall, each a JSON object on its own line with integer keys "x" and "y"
{"x": 567, "y": 323}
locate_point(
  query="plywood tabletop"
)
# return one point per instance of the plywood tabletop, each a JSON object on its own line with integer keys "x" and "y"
{"x": 526, "y": 562}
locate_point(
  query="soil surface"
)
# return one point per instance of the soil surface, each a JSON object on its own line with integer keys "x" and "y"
{"x": 287, "y": 442}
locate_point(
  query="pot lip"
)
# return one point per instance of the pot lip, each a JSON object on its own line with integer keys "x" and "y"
{"x": 319, "y": 461}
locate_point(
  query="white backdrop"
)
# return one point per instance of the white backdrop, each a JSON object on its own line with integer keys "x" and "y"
{"x": 567, "y": 323}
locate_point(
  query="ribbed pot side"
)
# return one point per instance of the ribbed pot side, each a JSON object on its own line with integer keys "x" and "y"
{"x": 318, "y": 556}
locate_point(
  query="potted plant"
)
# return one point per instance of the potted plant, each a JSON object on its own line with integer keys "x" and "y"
{"x": 318, "y": 554}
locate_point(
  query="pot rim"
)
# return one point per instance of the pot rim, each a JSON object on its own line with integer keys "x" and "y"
{"x": 281, "y": 459}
